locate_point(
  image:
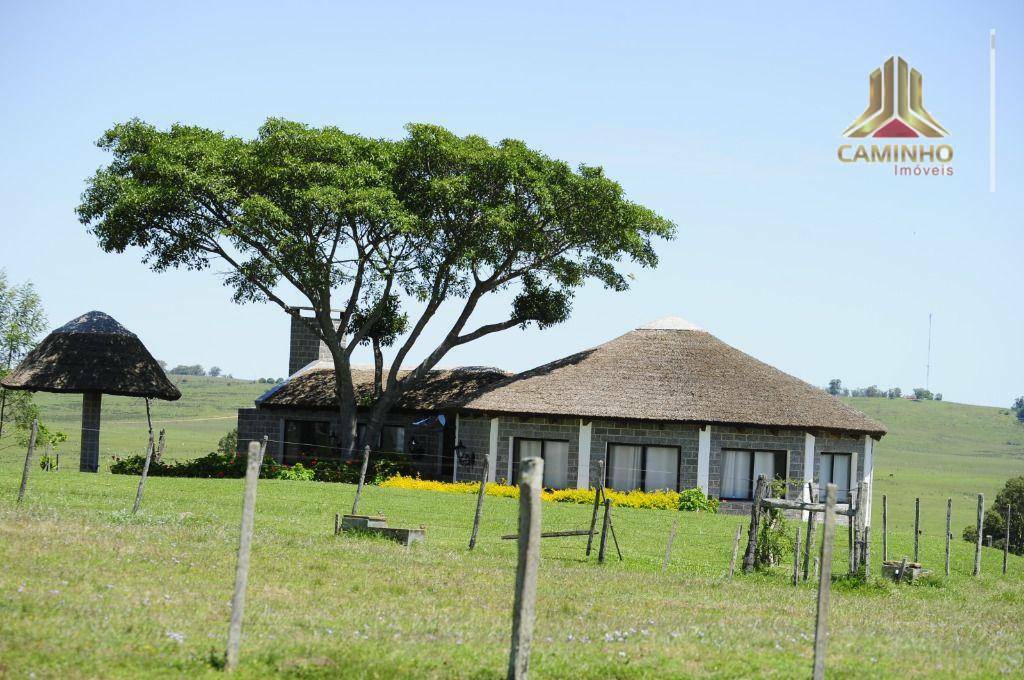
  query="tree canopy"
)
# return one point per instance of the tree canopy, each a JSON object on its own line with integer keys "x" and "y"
{"x": 384, "y": 232}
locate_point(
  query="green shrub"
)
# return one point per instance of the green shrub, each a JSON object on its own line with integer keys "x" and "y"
{"x": 994, "y": 523}
{"x": 694, "y": 499}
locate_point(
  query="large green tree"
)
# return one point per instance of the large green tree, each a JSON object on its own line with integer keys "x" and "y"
{"x": 349, "y": 222}
{"x": 22, "y": 320}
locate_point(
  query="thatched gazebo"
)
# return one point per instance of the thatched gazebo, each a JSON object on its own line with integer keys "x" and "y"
{"x": 92, "y": 355}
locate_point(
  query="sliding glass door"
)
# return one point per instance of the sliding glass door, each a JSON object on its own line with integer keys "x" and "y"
{"x": 835, "y": 469}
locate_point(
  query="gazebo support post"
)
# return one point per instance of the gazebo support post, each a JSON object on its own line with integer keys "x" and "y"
{"x": 90, "y": 456}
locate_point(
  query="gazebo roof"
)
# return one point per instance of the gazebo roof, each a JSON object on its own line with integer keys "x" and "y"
{"x": 93, "y": 353}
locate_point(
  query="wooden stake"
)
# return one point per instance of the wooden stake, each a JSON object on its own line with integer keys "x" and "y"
{"x": 885, "y": 528}
{"x": 604, "y": 530}
{"x": 480, "y": 502}
{"x": 824, "y": 584}
{"x": 903, "y": 570}
{"x": 252, "y": 475}
{"x": 531, "y": 473}
{"x": 362, "y": 479}
{"x": 977, "y": 545}
{"x": 598, "y": 492}
{"x": 815, "y": 567}
{"x": 811, "y": 520}
{"x": 1006, "y": 538}
{"x": 917, "y": 529}
{"x": 949, "y": 529}
{"x": 160, "y": 445}
{"x": 145, "y": 469}
{"x": 796, "y": 557}
{"x": 735, "y": 550}
{"x": 867, "y": 552}
{"x": 611, "y": 530}
{"x": 337, "y": 524}
{"x": 755, "y": 522}
{"x": 850, "y": 530}
{"x": 28, "y": 459}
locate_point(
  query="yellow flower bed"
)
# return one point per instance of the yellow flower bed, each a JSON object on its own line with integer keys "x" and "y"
{"x": 658, "y": 500}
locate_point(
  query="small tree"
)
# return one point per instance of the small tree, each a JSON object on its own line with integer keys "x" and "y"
{"x": 922, "y": 394}
{"x": 341, "y": 220}
{"x": 835, "y": 387}
{"x": 894, "y": 393}
{"x": 214, "y": 371}
{"x": 22, "y": 320}
{"x": 994, "y": 523}
{"x": 1018, "y": 407}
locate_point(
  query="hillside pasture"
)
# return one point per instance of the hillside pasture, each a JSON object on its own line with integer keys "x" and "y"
{"x": 87, "y": 590}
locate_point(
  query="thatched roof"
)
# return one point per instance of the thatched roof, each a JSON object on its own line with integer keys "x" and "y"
{"x": 93, "y": 353}
{"x": 668, "y": 371}
{"x": 443, "y": 389}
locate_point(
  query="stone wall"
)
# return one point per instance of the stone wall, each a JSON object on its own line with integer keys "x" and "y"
{"x": 254, "y": 423}
{"x": 475, "y": 434}
{"x": 304, "y": 345}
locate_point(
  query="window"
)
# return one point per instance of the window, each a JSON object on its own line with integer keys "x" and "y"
{"x": 651, "y": 468}
{"x": 306, "y": 440}
{"x": 392, "y": 439}
{"x": 556, "y": 459}
{"x": 835, "y": 469}
{"x": 741, "y": 468}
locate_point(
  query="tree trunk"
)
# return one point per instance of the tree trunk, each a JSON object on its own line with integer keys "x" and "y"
{"x": 378, "y": 369}
{"x": 343, "y": 388}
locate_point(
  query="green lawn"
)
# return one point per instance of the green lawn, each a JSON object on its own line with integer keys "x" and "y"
{"x": 88, "y": 591}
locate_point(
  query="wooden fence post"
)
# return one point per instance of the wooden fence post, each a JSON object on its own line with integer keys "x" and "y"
{"x": 160, "y": 445}
{"x": 362, "y": 479}
{"x": 867, "y": 552}
{"x": 252, "y": 475}
{"x": 480, "y": 502}
{"x": 671, "y": 538}
{"x": 885, "y": 528}
{"x": 824, "y": 584}
{"x": 337, "y": 524}
{"x": 28, "y": 459}
{"x": 796, "y": 557}
{"x": 917, "y": 529}
{"x": 735, "y": 550}
{"x": 1006, "y": 537}
{"x": 598, "y": 492}
{"x": 604, "y": 530}
{"x": 145, "y": 472}
{"x": 851, "y": 531}
{"x": 949, "y": 533}
{"x": 755, "y": 522}
{"x": 531, "y": 473}
{"x": 809, "y": 540}
{"x": 977, "y": 545}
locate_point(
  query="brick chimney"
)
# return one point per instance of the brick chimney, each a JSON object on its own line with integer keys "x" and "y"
{"x": 305, "y": 346}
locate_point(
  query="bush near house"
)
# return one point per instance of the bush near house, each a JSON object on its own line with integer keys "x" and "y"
{"x": 225, "y": 465}
{"x": 689, "y": 499}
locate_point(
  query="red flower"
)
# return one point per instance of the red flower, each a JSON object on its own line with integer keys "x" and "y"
{"x": 220, "y": 474}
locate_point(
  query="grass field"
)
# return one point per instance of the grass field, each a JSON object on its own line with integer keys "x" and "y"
{"x": 88, "y": 591}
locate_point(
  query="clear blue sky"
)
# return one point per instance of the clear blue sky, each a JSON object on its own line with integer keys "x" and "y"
{"x": 724, "y": 117}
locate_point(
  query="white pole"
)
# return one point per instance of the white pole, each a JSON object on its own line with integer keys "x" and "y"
{"x": 992, "y": 111}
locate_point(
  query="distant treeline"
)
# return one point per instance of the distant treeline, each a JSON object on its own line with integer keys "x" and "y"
{"x": 212, "y": 372}
{"x": 836, "y": 389}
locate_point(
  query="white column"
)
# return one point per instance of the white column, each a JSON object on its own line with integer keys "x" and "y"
{"x": 869, "y": 468}
{"x": 583, "y": 463}
{"x": 805, "y": 493}
{"x": 704, "y": 458}
{"x": 455, "y": 456}
{"x": 492, "y": 452}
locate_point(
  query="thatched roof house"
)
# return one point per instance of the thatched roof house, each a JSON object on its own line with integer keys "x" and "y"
{"x": 443, "y": 390}
{"x": 667, "y": 405}
{"x": 92, "y": 355}
{"x": 672, "y": 371}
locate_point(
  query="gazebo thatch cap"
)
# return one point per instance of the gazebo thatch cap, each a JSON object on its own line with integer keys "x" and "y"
{"x": 93, "y": 353}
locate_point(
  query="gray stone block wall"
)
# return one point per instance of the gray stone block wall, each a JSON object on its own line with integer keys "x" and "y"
{"x": 566, "y": 429}
{"x": 475, "y": 434}
{"x": 840, "y": 444}
{"x": 757, "y": 439}
{"x": 304, "y": 345}
{"x": 605, "y": 432}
